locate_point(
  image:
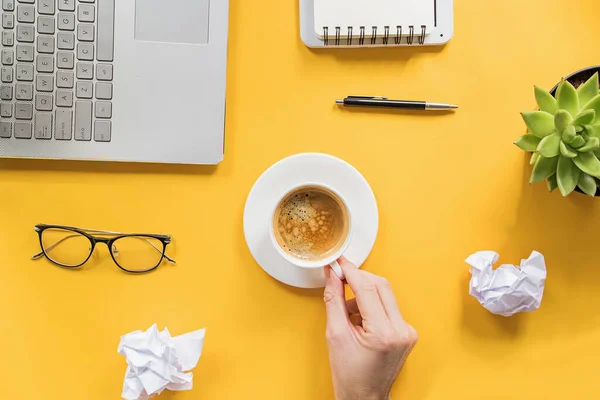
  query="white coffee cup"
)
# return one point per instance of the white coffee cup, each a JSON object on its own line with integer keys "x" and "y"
{"x": 331, "y": 259}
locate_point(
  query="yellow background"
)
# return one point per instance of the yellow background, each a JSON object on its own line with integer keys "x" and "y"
{"x": 447, "y": 186}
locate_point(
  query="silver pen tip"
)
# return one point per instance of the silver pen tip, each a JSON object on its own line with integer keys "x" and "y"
{"x": 452, "y": 106}
{"x": 339, "y": 102}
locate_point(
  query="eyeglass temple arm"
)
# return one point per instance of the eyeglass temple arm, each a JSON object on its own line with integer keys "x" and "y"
{"x": 41, "y": 253}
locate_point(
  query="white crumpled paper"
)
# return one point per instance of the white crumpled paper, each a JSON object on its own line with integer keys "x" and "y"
{"x": 156, "y": 361}
{"x": 508, "y": 289}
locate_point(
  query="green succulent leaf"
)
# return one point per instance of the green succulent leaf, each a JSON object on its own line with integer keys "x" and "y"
{"x": 552, "y": 183}
{"x": 593, "y": 143}
{"x": 593, "y": 104}
{"x": 588, "y": 163}
{"x": 569, "y": 134}
{"x": 528, "y": 142}
{"x": 579, "y": 128}
{"x": 593, "y": 130}
{"x": 562, "y": 119}
{"x": 534, "y": 158}
{"x": 540, "y": 123}
{"x": 578, "y": 142}
{"x": 567, "y": 151}
{"x": 543, "y": 168}
{"x": 587, "y": 184}
{"x": 567, "y": 98}
{"x": 588, "y": 90}
{"x": 549, "y": 146}
{"x": 585, "y": 117}
{"x": 567, "y": 175}
{"x": 545, "y": 101}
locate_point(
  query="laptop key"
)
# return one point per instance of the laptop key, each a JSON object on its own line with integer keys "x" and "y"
{"x": 85, "y": 51}
{"x": 45, "y": 63}
{"x": 25, "y": 33}
{"x": 102, "y": 130}
{"x": 6, "y": 110}
{"x": 25, "y": 14}
{"x": 5, "y": 129}
{"x": 86, "y": 13}
{"x": 65, "y": 79}
{"x": 23, "y": 130}
{"x": 24, "y": 91}
{"x": 43, "y": 126}
{"x": 46, "y": 7}
{"x": 8, "y": 57}
{"x": 103, "y": 109}
{"x": 8, "y": 21}
{"x": 86, "y": 32}
{"x": 24, "y": 111}
{"x": 46, "y": 25}
{"x": 83, "y": 120}
{"x": 45, "y": 44}
{"x": 85, "y": 70}
{"x": 106, "y": 30}
{"x": 66, "y": 5}
{"x": 7, "y": 74}
{"x": 44, "y": 83}
{"x": 63, "y": 128}
{"x": 66, "y": 22}
{"x": 44, "y": 102}
{"x": 25, "y": 72}
{"x": 66, "y": 41}
{"x": 64, "y": 98}
{"x": 25, "y": 52}
{"x": 6, "y": 92}
{"x": 65, "y": 60}
{"x": 8, "y": 38}
{"x": 8, "y": 5}
{"x": 104, "y": 72}
{"x": 104, "y": 91}
{"x": 84, "y": 90}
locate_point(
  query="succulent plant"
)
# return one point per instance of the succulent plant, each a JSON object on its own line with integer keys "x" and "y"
{"x": 564, "y": 137}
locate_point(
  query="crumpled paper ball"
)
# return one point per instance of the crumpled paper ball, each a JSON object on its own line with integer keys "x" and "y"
{"x": 156, "y": 361}
{"x": 508, "y": 289}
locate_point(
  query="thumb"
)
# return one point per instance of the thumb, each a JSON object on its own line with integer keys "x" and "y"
{"x": 335, "y": 303}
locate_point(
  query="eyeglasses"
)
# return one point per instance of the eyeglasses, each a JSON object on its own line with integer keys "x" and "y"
{"x": 71, "y": 247}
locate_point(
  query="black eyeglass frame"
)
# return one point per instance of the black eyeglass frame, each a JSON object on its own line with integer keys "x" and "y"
{"x": 164, "y": 239}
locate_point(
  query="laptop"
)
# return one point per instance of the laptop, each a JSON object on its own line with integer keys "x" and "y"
{"x": 113, "y": 80}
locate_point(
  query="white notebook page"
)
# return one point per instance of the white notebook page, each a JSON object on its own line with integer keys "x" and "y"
{"x": 370, "y": 13}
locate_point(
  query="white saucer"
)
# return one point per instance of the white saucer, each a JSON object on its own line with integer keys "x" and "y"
{"x": 293, "y": 171}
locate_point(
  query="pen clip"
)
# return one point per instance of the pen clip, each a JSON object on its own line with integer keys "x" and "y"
{"x": 368, "y": 97}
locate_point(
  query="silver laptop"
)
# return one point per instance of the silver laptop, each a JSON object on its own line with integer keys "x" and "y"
{"x": 114, "y": 80}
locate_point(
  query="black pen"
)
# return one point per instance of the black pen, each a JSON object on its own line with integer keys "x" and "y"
{"x": 377, "y": 101}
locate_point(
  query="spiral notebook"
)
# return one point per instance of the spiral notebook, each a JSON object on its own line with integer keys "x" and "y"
{"x": 376, "y": 23}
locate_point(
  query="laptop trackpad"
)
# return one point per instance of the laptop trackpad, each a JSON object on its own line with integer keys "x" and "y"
{"x": 173, "y": 21}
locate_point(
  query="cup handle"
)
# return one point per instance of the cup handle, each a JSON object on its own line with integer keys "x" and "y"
{"x": 335, "y": 267}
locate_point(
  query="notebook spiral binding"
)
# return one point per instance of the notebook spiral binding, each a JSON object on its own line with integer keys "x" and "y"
{"x": 410, "y": 38}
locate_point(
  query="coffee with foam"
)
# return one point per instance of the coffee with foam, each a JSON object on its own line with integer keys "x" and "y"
{"x": 311, "y": 223}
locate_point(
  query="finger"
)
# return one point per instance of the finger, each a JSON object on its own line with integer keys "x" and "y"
{"x": 335, "y": 302}
{"x": 352, "y": 306}
{"x": 388, "y": 299}
{"x": 365, "y": 290}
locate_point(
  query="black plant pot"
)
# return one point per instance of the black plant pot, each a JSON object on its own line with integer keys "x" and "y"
{"x": 576, "y": 79}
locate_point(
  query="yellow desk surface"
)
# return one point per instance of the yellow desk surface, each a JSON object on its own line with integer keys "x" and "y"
{"x": 447, "y": 186}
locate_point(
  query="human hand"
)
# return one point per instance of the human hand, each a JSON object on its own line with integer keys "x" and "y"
{"x": 367, "y": 337}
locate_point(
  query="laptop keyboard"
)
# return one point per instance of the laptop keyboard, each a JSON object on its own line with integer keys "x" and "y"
{"x": 56, "y": 69}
